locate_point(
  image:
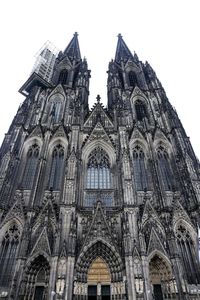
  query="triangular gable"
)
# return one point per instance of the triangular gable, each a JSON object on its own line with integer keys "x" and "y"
{"x": 42, "y": 243}
{"x": 155, "y": 243}
{"x": 149, "y": 212}
{"x": 60, "y": 132}
{"x": 98, "y": 113}
{"x": 131, "y": 64}
{"x": 159, "y": 135}
{"x": 36, "y": 132}
{"x": 138, "y": 92}
{"x": 137, "y": 135}
{"x": 180, "y": 213}
{"x": 99, "y": 227}
{"x": 58, "y": 90}
{"x": 65, "y": 63}
{"x": 17, "y": 210}
{"x": 47, "y": 210}
{"x": 98, "y": 133}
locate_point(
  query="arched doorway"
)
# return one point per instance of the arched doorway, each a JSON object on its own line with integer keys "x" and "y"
{"x": 99, "y": 280}
{"x": 36, "y": 280}
{"x": 161, "y": 278}
{"x": 99, "y": 273}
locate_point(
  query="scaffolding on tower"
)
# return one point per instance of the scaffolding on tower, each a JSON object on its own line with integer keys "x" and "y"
{"x": 45, "y": 61}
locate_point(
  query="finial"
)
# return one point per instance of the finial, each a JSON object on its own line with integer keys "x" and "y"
{"x": 75, "y": 33}
{"x": 119, "y": 36}
{"x": 98, "y": 98}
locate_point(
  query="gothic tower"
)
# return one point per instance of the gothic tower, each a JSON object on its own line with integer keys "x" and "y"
{"x": 101, "y": 203}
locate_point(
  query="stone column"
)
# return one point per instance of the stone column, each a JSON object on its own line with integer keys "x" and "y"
{"x": 130, "y": 278}
{"x": 52, "y": 279}
{"x": 69, "y": 278}
{"x": 147, "y": 284}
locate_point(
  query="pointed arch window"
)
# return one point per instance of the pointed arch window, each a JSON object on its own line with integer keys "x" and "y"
{"x": 188, "y": 254}
{"x": 8, "y": 252}
{"x": 57, "y": 165}
{"x": 56, "y": 110}
{"x": 98, "y": 170}
{"x": 140, "y": 110}
{"x": 132, "y": 79}
{"x": 164, "y": 168}
{"x": 63, "y": 76}
{"x": 31, "y": 166}
{"x": 139, "y": 168}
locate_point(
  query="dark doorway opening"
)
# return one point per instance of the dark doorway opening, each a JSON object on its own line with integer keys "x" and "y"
{"x": 105, "y": 292}
{"x": 92, "y": 292}
{"x": 157, "y": 292}
{"x": 39, "y": 293}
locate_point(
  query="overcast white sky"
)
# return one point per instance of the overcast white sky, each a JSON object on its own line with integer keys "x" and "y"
{"x": 166, "y": 33}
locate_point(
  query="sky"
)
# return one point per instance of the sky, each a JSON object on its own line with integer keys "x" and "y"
{"x": 163, "y": 32}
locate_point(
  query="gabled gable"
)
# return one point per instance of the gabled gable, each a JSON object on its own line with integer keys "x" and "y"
{"x": 65, "y": 63}
{"x": 99, "y": 227}
{"x": 132, "y": 65}
{"x": 149, "y": 213}
{"x": 98, "y": 114}
{"x": 42, "y": 243}
{"x": 58, "y": 90}
{"x": 17, "y": 210}
{"x": 60, "y": 132}
{"x": 155, "y": 243}
{"x": 137, "y": 92}
{"x": 137, "y": 135}
{"x": 98, "y": 133}
{"x": 46, "y": 211}
{"x": 36, "y": 132}
{"x": 179, "y": 213}
{"x": 159, "y": 135}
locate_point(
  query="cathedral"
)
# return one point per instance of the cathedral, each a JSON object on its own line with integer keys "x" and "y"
{"x": 101, "y": 203}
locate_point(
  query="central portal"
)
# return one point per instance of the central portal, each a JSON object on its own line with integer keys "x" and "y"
{"x": 99, "y": 280}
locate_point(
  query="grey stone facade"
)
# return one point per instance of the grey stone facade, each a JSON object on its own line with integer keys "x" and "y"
{"x": 100, "y": 203}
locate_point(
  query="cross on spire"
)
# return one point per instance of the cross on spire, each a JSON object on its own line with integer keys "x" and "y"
{"x": 98, "y": 98}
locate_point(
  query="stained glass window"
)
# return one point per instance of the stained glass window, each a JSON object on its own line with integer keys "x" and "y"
{"x": 57, "y": 165}
{"x": 188, "y": 255}
{"x": 31, "y": 166}
{"x": 140, "y": 110}
{"x": 132, "y": 79}
{"x": 164, "y": 168}
{"x": 98, "y": 170}
{"x": 139, "y": 168}
{"x": 8, "y": 253}
{"x": 63, "y": 76}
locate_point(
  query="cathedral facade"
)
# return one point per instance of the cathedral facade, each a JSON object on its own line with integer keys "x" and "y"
{"x": 101, "y": 203}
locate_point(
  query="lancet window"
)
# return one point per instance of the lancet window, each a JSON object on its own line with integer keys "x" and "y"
{"x": 8, "y": 253}
{"x": 140, "y": 110}
{"x": 98, "y": 170}
{"x": 139, "y": 168}
{"x": 56, "y": 110}
{"x": 188, "y": 255}
{"x": 132, "y": 79}
{"x": 57, "y": 165}
{"x": 63, "y": 76}
{"x": 31, "y": 166}
{"x": 164, "y": 168}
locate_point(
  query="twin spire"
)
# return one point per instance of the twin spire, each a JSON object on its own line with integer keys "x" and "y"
{"x": 122, "y": 51}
